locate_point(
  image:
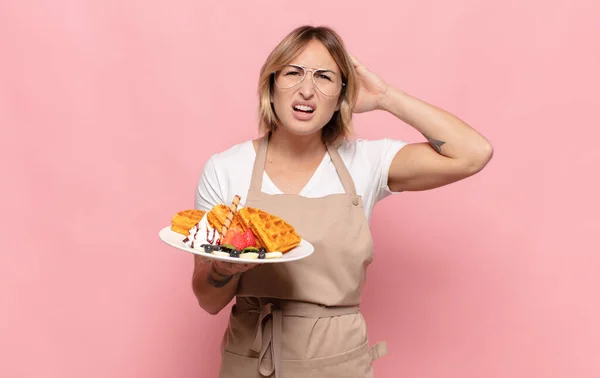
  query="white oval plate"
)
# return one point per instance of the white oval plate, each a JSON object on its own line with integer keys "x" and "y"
{"x": 174, "y": 239}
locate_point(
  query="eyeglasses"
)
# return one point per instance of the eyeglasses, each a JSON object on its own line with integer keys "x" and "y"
{"x": 326, "y": 81}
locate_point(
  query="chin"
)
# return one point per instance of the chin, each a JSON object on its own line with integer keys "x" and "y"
{"x": 302, "y": 129}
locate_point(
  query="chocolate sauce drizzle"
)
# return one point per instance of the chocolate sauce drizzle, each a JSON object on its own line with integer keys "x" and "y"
{"x": 196, "y": 233}
{"x": 210, "y": 240}
{"x": 187, "y": 239}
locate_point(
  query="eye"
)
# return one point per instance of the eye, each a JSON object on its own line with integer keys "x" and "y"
{"x": 324, "y": 76}
{"x": 292, "y": 71}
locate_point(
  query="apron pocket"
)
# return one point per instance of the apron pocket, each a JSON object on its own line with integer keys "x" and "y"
{"x": 355, "y": 363}
{"x": 235, "y": 365}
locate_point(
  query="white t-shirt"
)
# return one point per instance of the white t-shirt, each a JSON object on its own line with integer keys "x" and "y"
{"x": 228, "y": 173}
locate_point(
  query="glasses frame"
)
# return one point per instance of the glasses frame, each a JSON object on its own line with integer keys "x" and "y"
{"x": 305, "y": 69}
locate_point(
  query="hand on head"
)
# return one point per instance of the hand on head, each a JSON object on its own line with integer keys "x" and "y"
{"x": 371, "y": 88}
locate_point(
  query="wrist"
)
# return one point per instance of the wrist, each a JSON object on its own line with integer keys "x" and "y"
{"x": 392, "y": 101}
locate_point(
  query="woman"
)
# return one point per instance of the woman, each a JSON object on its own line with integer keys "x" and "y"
{"x": 301, "y": 319}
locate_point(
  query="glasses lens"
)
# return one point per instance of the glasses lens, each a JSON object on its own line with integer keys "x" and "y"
{"x": 289, "y": 76}
{"x": 328, "y": 82}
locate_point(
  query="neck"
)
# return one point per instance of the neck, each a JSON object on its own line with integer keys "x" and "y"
{"x": 296, "y": 147}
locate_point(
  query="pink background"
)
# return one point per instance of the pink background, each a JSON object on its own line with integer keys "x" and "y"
{"x": 109, "y": 109}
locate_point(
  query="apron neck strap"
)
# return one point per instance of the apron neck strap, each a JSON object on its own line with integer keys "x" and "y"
{"x": 342, "y": 171}
{"x": 261, "y": 158}
{"x": 259, "y": 164}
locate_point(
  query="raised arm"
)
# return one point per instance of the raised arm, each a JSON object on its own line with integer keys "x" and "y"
{"x": 453, "y": 151}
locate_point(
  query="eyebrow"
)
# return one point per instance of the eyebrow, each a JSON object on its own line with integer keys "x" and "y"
{"x": 328, "y": 70}
{"x": 315, "y": 68}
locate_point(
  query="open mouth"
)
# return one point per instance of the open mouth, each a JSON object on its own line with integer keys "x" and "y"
{"x": 304, "y": 109}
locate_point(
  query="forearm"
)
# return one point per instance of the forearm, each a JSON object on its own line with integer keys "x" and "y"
{"x": 446, "y": 133}
{"x": 212, "y": 290}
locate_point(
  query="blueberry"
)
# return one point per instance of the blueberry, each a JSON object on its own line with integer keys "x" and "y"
{"x": 262, "y": 249}
{"x": 207, "y": 248}
{"x": 261, "y": 254}
{"x": 234, "y": 253}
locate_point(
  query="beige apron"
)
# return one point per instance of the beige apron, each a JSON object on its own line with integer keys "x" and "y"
{"x": 301, "y": 319}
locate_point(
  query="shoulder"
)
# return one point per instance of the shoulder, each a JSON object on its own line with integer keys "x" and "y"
{"x": 223, "y": 163}
{"x": 368, "y": 162}
{"x": 236, "y": 153}
{"x": 225, "y": 174}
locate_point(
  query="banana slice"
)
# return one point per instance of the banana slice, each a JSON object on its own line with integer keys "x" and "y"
{"x": 220, "y": 253}
{"x": 273, "y": 255}
{"x": 249, "y": 255}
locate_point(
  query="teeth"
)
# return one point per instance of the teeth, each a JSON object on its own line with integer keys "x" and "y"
{"x": 304, "y": 108}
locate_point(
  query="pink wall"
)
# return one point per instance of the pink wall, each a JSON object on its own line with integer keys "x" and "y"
{"x": 105, "y": 107}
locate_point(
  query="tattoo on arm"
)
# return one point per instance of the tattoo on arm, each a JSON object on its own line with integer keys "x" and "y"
{"x": 436, "y": 144}
{"x": 218, "y": 283}
{"x": 222, "y": 281}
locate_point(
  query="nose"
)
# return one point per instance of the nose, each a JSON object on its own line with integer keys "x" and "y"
{"x": 307, "y": 86}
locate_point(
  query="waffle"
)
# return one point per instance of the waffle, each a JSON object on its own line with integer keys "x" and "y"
{"x": 217, "y": 216}
{"x": 274, "y": 233}
{"x": 184, "y": 220}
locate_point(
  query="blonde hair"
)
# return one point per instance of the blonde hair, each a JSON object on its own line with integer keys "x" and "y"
{"x": 340, "y": 125}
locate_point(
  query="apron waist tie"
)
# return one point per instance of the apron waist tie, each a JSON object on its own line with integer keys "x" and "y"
{"x": 269, "y": 328}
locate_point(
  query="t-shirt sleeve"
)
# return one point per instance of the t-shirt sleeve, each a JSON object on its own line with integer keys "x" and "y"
{"x": 380, "y": 154}
{"x": 208, "y": 190}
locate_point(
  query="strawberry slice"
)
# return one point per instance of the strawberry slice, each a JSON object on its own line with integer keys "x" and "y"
{"x": 229, "y": 235}
{"x": 238, "y": 241}
{"x": 249, "y": 239}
